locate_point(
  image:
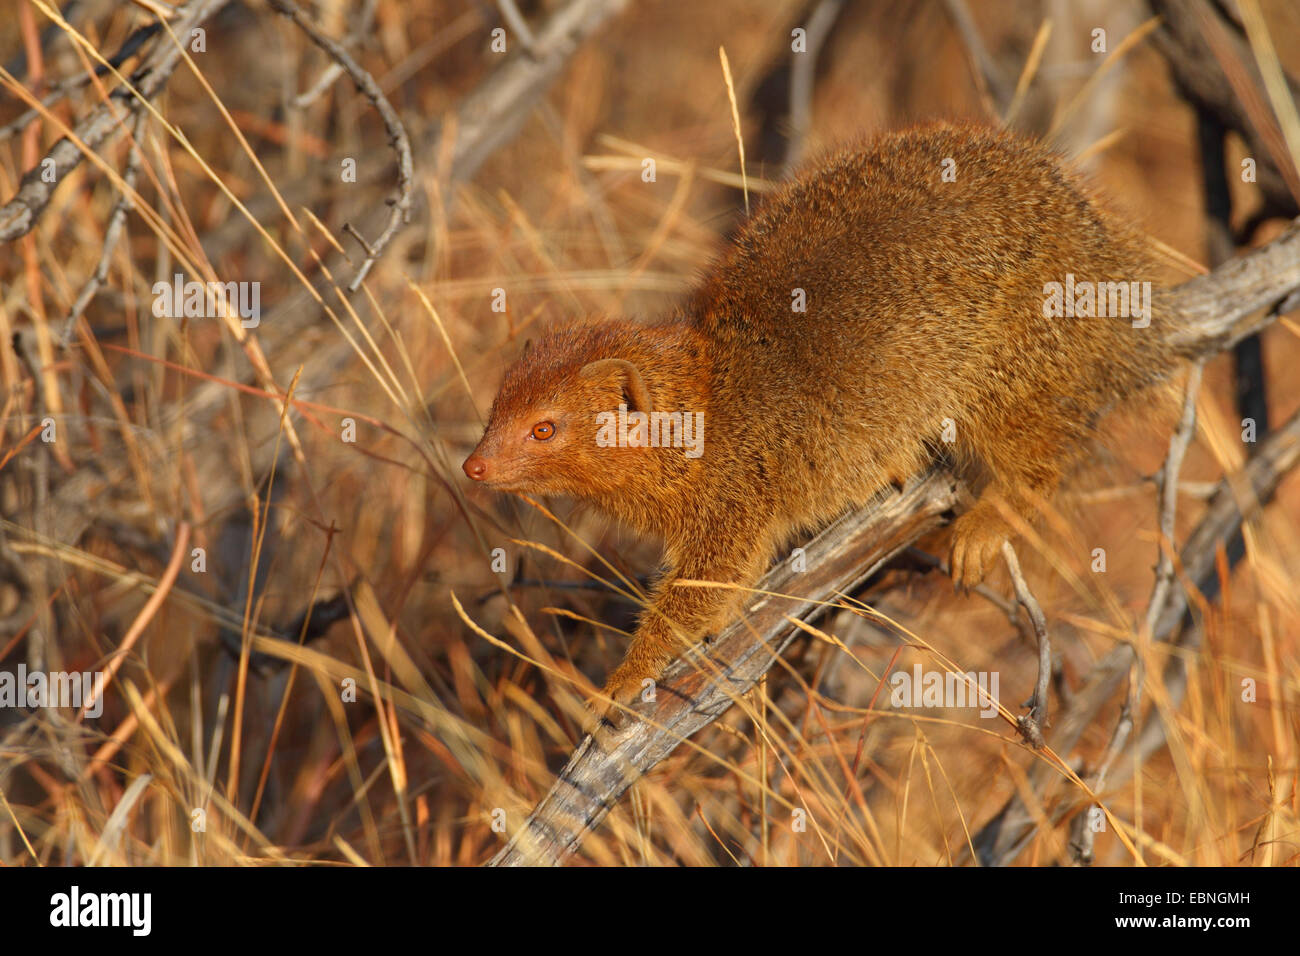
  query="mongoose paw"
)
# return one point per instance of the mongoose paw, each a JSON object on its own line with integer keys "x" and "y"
{"x": 977, "y": 538}
{"x": 625, "y": 688}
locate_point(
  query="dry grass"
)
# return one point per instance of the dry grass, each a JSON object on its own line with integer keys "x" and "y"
{"x": 168, "y": 431}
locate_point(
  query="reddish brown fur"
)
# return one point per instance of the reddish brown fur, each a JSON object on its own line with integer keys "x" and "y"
{"x": 924, "y": 303}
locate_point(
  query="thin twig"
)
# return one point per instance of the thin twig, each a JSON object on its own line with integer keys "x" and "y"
{"x": 518, "y": 25}
{"x": 332, "y": 72}
{"x": 1178, "y": 445}
{"x": 400, "y": 213}
{"x": 116, "y": 220}
{"x": 1082, "y": 834}
{"x": 1031, "y": 725}
{"x": 989, "y": 77}
{"x": 130, "y": 46}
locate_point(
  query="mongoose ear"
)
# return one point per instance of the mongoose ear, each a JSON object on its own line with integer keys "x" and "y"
{"x": 528, "y": 347}
{"x": 633, "y": 386}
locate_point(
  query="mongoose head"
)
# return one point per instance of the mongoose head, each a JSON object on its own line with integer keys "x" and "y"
{"x": 542, "y": 433}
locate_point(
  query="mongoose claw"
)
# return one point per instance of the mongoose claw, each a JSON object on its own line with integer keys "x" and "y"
{"x": 977, "y": 538}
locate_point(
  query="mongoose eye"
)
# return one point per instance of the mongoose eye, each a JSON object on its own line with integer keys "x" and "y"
{"x": 543, "y": 431}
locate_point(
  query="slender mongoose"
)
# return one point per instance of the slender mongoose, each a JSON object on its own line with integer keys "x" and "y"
{"x": 944, "y": 291}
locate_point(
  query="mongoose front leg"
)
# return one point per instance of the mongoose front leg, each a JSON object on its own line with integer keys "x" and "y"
{"x": 653, "y": 647}
{"x": 676, "y": 618}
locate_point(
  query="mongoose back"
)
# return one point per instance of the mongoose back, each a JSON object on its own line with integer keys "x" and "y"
{"x": 926, "y": 294}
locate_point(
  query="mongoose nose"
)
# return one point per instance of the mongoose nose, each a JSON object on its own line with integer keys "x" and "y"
{"x": 475, "y": 467}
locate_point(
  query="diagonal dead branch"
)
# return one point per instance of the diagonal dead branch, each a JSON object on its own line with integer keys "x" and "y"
{"x": 491, "y": 116}
{"x": 803, "y": 69}
{"x": 838, "y": 559}
{"x": 992, "y": 82}
{"x": 129, "y": 48}
{"x": 116, "y": 222}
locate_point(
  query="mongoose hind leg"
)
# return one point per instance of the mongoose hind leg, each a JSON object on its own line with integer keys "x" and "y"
{"x": 1025, "y": 471}
{"x": 977, "y": 537}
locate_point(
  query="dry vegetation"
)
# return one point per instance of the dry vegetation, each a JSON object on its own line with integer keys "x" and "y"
{"x": 170, "y": 436}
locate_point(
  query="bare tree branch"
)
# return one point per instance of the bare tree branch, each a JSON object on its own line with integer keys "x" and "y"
{"x": 837, "y": 560}
{"x": 989, "y": 76}
{"x": 365, "y": 21}
{"x": 130, "y": 46}
{"x": 116, "y": 220}
{"x": 494, "y": 113}
{"x": 400, "y": 212}
{"x": 21, "y": 213}
{"x": 803, "y": 71}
